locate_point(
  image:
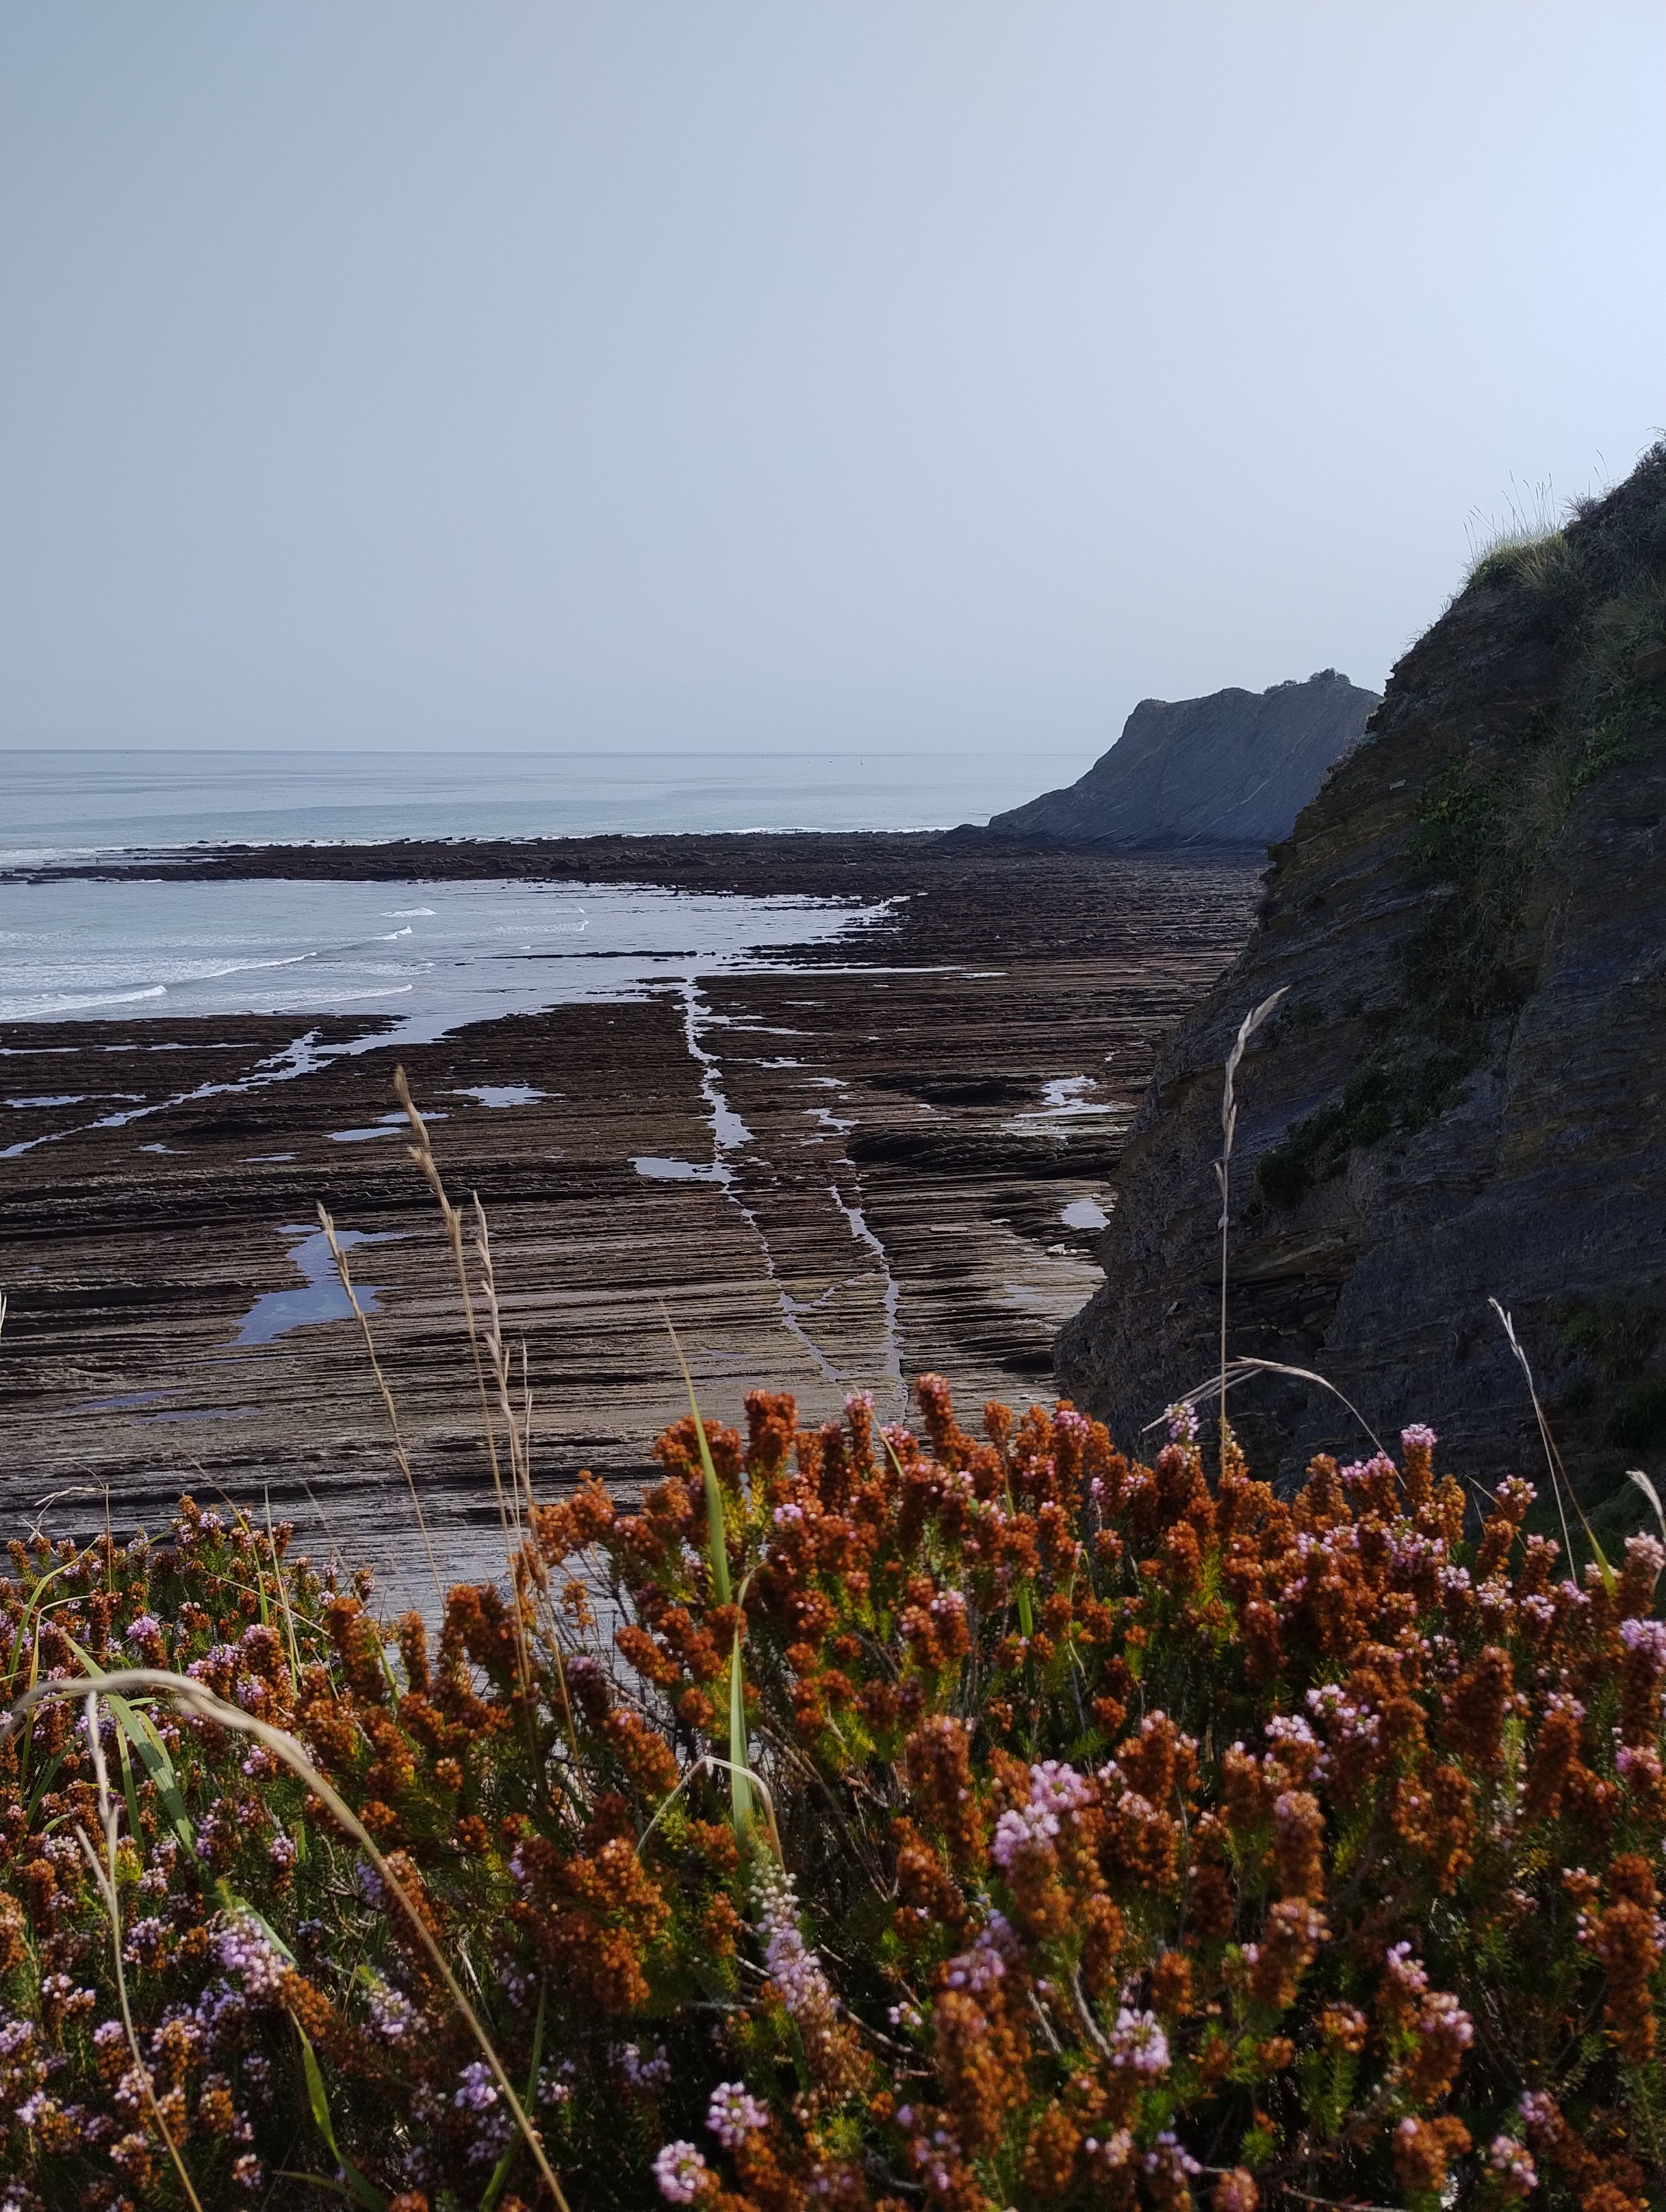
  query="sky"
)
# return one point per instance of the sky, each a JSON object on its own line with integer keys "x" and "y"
{"x": 678, "y": 374}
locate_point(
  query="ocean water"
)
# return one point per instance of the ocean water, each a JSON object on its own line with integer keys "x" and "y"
{"x": 68, "y": 804}
{"x": 428, "y": 955}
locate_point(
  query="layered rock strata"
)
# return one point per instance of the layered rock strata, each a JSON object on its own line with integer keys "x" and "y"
{"x": 1234, "y": 768}
{"x": 828, "y": 1175}
{"x": 1463, "y": 1094}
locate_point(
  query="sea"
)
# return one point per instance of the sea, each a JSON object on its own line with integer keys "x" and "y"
{"x": 422, "y": 957}
{"x": 63, "y": 803}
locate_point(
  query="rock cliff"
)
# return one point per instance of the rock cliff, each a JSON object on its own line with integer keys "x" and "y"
{"x": 1235, "y": 769}
{"x": 1463, "y": 1094}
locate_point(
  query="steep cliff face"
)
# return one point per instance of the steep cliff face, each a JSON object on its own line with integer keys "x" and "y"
{"x": 1463, "y": 1094}
{"x": 1235, "y": 769}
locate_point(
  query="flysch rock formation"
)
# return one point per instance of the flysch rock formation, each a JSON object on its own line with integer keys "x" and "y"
{"x": 1463, "y": 1094}
{"x": 1234, "y": 768}
{"x": 873, "y": 1158}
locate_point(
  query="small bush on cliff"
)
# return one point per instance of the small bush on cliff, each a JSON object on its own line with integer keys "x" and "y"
{"x": 1111, "y": 1834}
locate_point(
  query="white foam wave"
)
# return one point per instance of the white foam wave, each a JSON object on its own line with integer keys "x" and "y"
{"x": 32, "y": 1008}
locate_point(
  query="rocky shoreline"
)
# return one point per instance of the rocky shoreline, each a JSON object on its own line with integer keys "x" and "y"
{"x": 920, "y": 1108}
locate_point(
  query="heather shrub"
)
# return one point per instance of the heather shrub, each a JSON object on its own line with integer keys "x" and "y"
{"x": 1109, "y": 1834}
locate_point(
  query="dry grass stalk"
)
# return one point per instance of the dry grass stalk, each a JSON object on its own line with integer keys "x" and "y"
{"x": 1228, "y": 1121}
{"x": 400, "y": 1455}
{"x": 1559, "y": 1480}
{"x": 1240, "y": 1369}
{"x": 422, "y": 1152}
{"x": 194, "y": 1697}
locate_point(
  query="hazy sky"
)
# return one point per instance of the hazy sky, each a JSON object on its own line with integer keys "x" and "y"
{"x": 925, "y": 373}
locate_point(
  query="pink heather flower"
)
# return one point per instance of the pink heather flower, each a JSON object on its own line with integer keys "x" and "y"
{"x": 1182, "y": 1423}
{"x": 645, "y": 2074}
{"x": 1290, "y": 1729}
{"x": 1514, "y": 2161}
{"x": 1648, "y": 1552}
{"x": 1406, "y": 1971}
{"x": 1648, "y": 1639}
{"x": 1170, "y": 2157}
{"x": 478, "y": 2093}
{"x": 792, "y": 1966}
{"x": 244, "y": 1949}
{"x": 734, "y": 2113}
{"x": 393, "y": 2015}
{"x": 1138, "y": 2042}
{"x": 133, "y": 2091}
{"x": 1362, "y": 1470}
{"x": 1055, "y": 1786}
{"x": 1644, "y": 1765}
{"x": 1116, "y": 2150}
{"x": 679, "y": 2170}
{"x": 1419, "y": 1437}
{"x": 1444, "y": 2015}
{"x": 977, "y": 1970}
{"x": 1031, "y": 1827}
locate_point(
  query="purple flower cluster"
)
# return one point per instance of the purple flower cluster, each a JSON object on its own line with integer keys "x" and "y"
{"x": 393, "y": 2015}
{"x": 1513, "y": 2161}
{"x": 646, "y": 2075}
{"x": 734, "y": 2113}
{"x": 1056, "y": 1789}
{"x": 792, "y": 1966}
{"x": 679, "y": 2170}
{"x": 243, "y": 1948}
{"x": 1138, "y": 2042}
{"x": 1646, "y": 1638}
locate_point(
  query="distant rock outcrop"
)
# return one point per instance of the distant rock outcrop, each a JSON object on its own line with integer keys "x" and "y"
{"x": 1464, "y": 1094}
{"x": 1235, "y": 769}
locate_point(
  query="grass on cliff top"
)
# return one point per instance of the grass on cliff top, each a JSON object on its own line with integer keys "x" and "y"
{"x": 1596, "y": 589}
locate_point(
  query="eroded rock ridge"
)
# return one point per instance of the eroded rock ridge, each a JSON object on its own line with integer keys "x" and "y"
{"x": 1234, "y": 768}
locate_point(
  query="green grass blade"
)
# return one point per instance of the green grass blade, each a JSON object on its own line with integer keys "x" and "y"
{"x": 129, "y": 1790}
{"x": 361, "y": 2191}
{"x": 495, "y": 2186}
{"x": 318, "y": 2181}
{"x": 740, "y": 1790}
{"x": 45, "y": 1781}
{"x": 141, "y": 1732}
